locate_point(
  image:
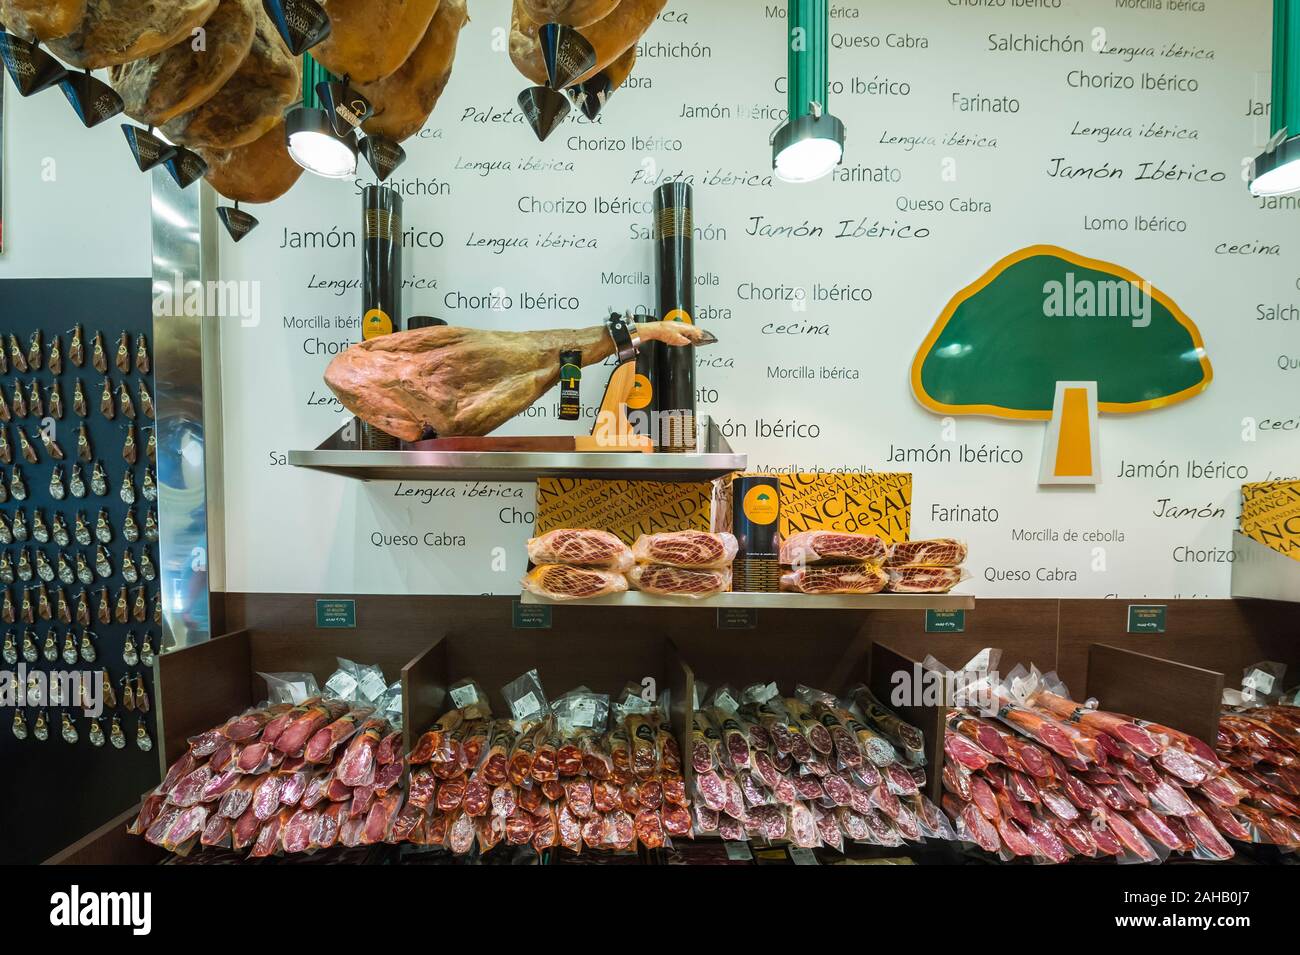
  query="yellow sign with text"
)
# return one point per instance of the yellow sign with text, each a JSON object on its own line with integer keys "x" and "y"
{"x": 1270, "y": 514}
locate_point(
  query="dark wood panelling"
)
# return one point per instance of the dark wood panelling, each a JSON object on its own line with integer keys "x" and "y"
{"x": 885, "y": 661}
{"x": 1024, "y": 630}
{"x": 199, "y": 687}
{"x": 424, "y": 688}
{"x": 1184, "y": 697}
{"x": 609, "y": 645}
{"x": 110, "y": 844}
{"x": 1221, "y": 635}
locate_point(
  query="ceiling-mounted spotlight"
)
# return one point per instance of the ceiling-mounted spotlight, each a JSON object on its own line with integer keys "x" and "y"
{"x": 301, "y": 23}
{"x": 186, "y": 167}
{"x": 568, "y": 55}
{"x": 237, "y": 222}
{"x": 148, "y": 149}
{"x": 315, "y": 146}
{"x": 1277, "y": 171}
{"x": 94, "y": 100}
{"x": 323, "y": 142}
{"x": 811, "y": 143}
{"x": 383, "y": 155}
{"x": 30, "y": 67}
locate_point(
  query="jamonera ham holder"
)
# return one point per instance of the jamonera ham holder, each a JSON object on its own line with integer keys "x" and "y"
{"x": 442, "y": 391}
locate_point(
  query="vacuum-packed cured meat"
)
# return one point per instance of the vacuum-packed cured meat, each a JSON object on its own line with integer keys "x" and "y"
{"x": 923, "y": 580}
{"x": 942, "y": 552}
{"x": 817, "y": 547}
{"x": 561, "y": 582}
{"x": 694, "y": 550}
{"x": 835, "y": 579}
{"x": 581, "y": 548}
{"x": 667, "y": 581}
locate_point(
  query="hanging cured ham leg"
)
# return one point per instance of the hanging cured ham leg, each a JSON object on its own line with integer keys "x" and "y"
{"x": 464, "y": 382}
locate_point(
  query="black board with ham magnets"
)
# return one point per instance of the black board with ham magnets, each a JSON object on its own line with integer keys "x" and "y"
{"x": 101, "y": 422}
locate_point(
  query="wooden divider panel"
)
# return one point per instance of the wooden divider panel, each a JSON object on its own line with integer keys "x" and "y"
{"x": 1184, "y": 697}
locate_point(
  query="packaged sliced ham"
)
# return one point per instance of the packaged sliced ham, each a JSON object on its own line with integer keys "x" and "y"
{"x": 561, "y": 582}
{"x": 861, "y": 578}
{"x": 924, "y": 580}
{"x": 940, "y": 552}
{"x": 695, "y": 550}
{"x": 818, "y": 547}
{"x": 580, "y": 548}
{"x": 669, "y": 581}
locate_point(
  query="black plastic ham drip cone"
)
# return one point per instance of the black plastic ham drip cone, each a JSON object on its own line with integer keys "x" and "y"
{"x": 30, "y": 67}
{"x": 186, "y": 167}
{"x": 347, "y": 108}
{"x": 383, "y": 155}
{"x": 94, "y": 100}
{"x": 301, "y": 23}
{"x": 148, "y": 149}
{"x": 544, "y": 108}
{"x": 237, "y": 222}
{"x": 592, "y": 94}
{"x": 567, "y": 52}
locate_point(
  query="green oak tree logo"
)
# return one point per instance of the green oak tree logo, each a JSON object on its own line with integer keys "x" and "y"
{"x": 1049, "y": 335}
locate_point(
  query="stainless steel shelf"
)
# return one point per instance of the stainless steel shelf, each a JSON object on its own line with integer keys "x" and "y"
{"x": 1259, "y": 571}
{"x": 335, "y": 457}
{"x": 740, "y": 601}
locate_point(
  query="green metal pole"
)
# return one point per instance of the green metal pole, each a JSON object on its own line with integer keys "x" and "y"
{"x": 1286, "y": 66}
{"x": 809, "y": 63}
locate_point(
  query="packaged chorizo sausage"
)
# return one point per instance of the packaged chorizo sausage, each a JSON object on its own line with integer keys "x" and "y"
{"x": 905, "y": 736}
{"x": 643, "y": 733}
{"x": 705, "y": 740}
{"x": 494, "y": 768}
{"x": 434, "y": 739}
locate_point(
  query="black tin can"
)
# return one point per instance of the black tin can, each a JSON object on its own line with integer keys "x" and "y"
{"x": 756, "y": 522}
{"x": 675, "y": 269}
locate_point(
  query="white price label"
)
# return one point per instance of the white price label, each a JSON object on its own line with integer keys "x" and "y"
{"x": 373, "y": 686}
{"x": 726, "y": 703}
{"x": 1260, "y": 681}
{"x": 803, "y": 856}
{"x": 341, "y": 686}
{"x": 739, "y": 851}
{"x": 583, "y": 713}
{"x": 464, "y": 696}
{"x": 526, "y": 707}
{"x": 763, "y": 694}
